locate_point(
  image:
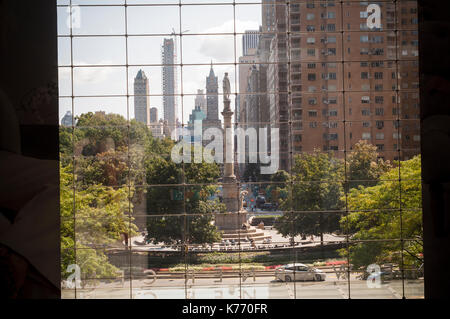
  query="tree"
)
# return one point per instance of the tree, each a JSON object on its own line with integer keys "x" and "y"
{"x": 118, "y": 163}
{"x": 280, "y": 176}
{"x": 101, "y": 217}
{"x": 364, "y": 167}
{"x": 315, "y": 198}
{"x": 65, "y": 140}
{"x": 104, "y": 180}
{"x": 279, "y": 189}
{"x": 387, "y": 210}
{"x": 196, "y": 200}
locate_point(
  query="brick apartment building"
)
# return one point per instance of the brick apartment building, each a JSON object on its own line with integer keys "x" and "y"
{"x": 332, "y": 81}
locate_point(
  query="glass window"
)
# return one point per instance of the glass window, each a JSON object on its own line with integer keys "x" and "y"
{"x": 333, "y": 193}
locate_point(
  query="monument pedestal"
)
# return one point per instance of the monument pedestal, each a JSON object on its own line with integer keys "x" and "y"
{"x": 230, "y": 194}
{"x": 230, "y": 221}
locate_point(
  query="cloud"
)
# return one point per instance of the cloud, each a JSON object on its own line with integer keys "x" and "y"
{"x": 220, "y": 48}
{"x": 94, "y": 75}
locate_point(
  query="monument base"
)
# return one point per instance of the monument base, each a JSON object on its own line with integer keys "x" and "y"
{"x": 230, "y": 221}
{"x": 230, "y": 193}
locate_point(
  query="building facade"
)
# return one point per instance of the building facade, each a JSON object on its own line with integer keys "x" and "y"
{"x": 67, "y": 119}
{"x": 153, "y": 115}
{"x": 250, "y": 40}
{"x": 332, "y": 81}
{"x": 200, "y": 101}
{"x": 212, "y": 101}
{"x": 245, "y": 64}
{"x": 141, "y": 98}
{"x": 169, "y": 83}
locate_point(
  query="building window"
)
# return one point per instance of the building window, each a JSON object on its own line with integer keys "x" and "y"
{"x": 312, "y": 101}
{"x": 379, "y": 124}
{"x": 380, "y": 147}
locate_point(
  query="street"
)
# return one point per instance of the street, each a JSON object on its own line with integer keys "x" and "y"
{"x": 251, "y": 288}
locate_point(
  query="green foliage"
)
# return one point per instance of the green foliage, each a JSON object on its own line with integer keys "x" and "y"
{"x": 101, "y": 220}
{"x": 317, "y": 188}
{"x": 105, "y": 183}
{"x": 65, "y": 141}
{"x": 375, "y": 214}
{"x": 363, "y": 165}
{"x": 280, "y": 177}
{"x": 169, "y": 200}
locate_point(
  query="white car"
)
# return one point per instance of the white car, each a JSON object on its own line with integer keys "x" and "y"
{"x": 292, "y": 272}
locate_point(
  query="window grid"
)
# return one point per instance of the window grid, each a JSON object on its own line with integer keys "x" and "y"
{"x": 289, "y": 92}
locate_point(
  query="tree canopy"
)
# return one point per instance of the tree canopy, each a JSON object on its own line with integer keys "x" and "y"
{"x": 315, "y": 198}
{"x": 388, "y": 210}
{"x": 197, "y": 199}
{"x": 118, "y": 165}
{"x": 364, "y": 167}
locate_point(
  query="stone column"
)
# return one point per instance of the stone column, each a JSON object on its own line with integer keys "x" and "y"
{"x": 233, "y": 219}
{"x": 230, "y": 189}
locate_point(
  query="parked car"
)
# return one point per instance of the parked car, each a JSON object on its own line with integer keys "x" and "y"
{"x": 260, "y": 200}
{"x": 267, "y": 206}
{"x": 293, "y": 272}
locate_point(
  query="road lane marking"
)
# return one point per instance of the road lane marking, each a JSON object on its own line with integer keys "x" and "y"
{"x": 395, "y": 293}
{"x": 291, "y": 294}
{"x": 342, "y": 292}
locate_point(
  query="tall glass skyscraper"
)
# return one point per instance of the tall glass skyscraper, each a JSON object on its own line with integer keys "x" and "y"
{"x": 169, "y": 80}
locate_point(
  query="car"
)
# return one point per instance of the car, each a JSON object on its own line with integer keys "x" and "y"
{"x": 260, "y": 200}
{"x": 267, "y": 206}
{"x": 296, "y": 271}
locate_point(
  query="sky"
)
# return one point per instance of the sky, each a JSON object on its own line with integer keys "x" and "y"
{"x": 147, "y": 27}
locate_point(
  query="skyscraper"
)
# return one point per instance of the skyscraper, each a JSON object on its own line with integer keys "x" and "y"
{"x": 141, "y": 98}
{"x": 250, "y": 40}
{"x": 67, "y": 119}
{"x": 377, "y": 89}
{"x": 169, "y": 80}
{"x": 212, "y": 100}
{"x": 200, "y": 101}
{"x": 245, "y": 64}
{"x": 153, "y": 115}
